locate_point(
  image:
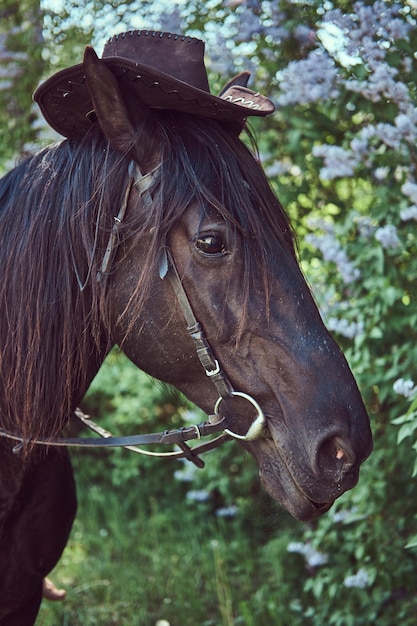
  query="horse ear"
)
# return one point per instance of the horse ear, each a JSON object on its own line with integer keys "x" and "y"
{"x": 240, "y": 80}
{"x": 111, "y": 109}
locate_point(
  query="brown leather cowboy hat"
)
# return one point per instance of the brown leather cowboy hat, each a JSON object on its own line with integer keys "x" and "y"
{"x": 164, "y": 70}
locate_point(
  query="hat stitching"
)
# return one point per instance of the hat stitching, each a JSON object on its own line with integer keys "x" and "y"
{"x": 132, "y": 77}
{"x": 153, "y": 33}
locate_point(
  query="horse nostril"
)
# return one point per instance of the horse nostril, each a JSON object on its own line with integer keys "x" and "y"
{"x": 335, "y": 458}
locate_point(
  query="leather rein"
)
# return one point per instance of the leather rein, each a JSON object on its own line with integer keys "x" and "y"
{"x": 215, "y": 423}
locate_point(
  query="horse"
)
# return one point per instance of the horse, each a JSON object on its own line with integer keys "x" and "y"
{"x": 104, "y": 236}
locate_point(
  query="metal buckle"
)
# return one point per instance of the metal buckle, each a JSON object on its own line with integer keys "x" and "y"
{"x": 216, "y": 370}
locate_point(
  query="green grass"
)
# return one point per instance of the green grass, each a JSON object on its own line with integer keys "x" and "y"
{"x": 134, "y": 559}
{"x": 140, "y": 550}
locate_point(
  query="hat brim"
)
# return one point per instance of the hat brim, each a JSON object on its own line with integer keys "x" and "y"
{"x": 65, "y": 101}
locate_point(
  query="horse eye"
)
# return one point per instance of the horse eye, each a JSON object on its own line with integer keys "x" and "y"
{"x": 211, "y": 244}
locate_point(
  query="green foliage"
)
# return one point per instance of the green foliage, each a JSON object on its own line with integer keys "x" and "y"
{"x": 341, "y": 153}
{"x": 20, "y": 70}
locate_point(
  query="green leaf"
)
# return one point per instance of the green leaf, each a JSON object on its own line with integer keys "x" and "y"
{"x": 412, "y": 543}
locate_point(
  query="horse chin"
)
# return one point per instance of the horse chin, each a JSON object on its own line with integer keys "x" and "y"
{"x": 280, "y": 485}
{"x": 294, "y": 501}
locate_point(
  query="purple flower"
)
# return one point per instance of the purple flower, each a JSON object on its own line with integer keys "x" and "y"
{"x": 332, "y": 251}
{"x": 387, "y": 237}
{"x": 308, "y": 80}
{"x": 338, "y": 161}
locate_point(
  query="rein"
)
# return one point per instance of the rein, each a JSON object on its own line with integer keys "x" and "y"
{"x": 215, "y": 423}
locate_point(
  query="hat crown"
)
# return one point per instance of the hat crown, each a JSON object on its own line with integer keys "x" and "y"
{"x": 163, "y": 70}
{"x": 175, "y": 55}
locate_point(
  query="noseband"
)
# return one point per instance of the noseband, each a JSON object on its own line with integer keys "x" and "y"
{"x": 215, "y": 423}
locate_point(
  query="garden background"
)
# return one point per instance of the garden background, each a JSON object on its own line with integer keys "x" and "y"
{"x": 156, "y": 540}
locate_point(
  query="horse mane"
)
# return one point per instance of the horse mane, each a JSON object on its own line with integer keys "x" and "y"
{"x": 50, "y": 331}
{"x": 56, "y": 213}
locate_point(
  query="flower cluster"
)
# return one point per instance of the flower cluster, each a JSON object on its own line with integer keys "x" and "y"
{"x": 308, "y": 80}
{"x": 312, "y": 556}
{"x": 333, "y": 251}
{"x": 405, "y": 387}
{"x": 345, "y": 328}
{"x": 186, "y": 473}
{"x": 410, "y": 213}
{"x": 372, "y": 29}
{"x": 366, "y": 226}
{"x": 342, "y": 516}
{"x": 360, "y": 580}
{"x": 409, "y": 189}
{"x": 198, "y": 495}
{"x": 227, "y": 511}
{"x": 388, "y": 237}
{"x": 380, "y": 84}
{"x": 338, "y": 162}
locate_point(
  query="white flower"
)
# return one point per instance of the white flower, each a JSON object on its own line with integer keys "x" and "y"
{"x": 410, "y": 189}
{"x": 198, "y": 495}
{"x": 316, "y": 559}
{"x": 227, "y": 511}
{"x": 312, "y": 556}
{"x": 405, "y": 388}
{"x": 359, "y": 580}
{"x": 277, "y": 168}
{"x": 296, "y": 546}
{"x": 410, "y": 213}
{"x": 388, "y": 134}
{"x": 345, "y": 328}
{"x": 380, "y": 173}
{"x": 342, "y": 516}
{"x": 187, "y": 473}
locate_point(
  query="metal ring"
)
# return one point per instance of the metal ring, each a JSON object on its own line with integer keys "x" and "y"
{"x": 258, "y": 425}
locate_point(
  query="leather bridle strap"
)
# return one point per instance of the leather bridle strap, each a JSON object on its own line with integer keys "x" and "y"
{"x": 203, "y": 349}
{"x": 142, "y": 185}
{"x": 214, "y": 425}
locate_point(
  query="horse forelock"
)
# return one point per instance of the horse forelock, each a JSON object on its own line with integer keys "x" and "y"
{"x": 203, "y": 164}
{"x": 56, "y": 213}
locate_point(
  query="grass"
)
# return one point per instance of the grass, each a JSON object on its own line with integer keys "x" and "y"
{"x": 141, "y": 552}
{"x": 134, "y": 560}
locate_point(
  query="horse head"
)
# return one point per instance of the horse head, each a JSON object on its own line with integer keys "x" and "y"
{"x": 211, "y": 206}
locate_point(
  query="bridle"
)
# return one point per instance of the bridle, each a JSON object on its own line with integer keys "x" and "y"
{"x": 215, "y": 423}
